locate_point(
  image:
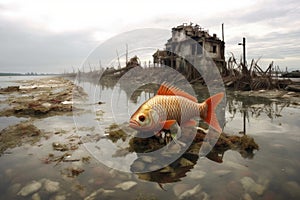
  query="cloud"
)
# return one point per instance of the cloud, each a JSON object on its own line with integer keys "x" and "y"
{"x": 28, "y": 42}
{"x": 24, "y": 48}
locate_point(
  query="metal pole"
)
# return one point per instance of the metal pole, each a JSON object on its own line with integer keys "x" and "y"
{"x": 244, "y": 51}
{"x": 244, "y": 58}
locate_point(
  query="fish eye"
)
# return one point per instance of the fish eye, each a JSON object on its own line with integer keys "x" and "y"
{"x": 142, "y": 118}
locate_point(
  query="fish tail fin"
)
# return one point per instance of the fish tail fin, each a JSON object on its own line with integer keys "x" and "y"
{"x": 210, "y": 117}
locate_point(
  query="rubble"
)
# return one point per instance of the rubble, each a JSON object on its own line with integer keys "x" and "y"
{"x": 41, "y": 98}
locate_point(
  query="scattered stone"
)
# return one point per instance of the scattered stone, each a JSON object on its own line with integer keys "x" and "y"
{"x": 247, "y": 197}
{"x": 32, "y": 187}
{"x": 36, "y": 196}
{"x": 179, "y": 188}
{"x": 197, "y": 174}
{"x": 60, "y": 197}
{"x": 126, "y": 185}
{"x": 251, "y": 186}
{"x": 138, "y": 166}
{"x": 222, "y": 172}
{"x": 147, "y": 159}
{"x": 190, "y": 193}
{"x": 100, "y": 191}
{"x": 204, "y": 196}
{"x": 51, "y": 186}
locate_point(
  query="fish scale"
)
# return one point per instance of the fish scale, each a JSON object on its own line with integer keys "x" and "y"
{"x": 171, "y": 105}
{"x": 176, "y": 107}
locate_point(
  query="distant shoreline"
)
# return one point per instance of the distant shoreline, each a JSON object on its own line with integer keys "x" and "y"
{"x": 29, "y": 74}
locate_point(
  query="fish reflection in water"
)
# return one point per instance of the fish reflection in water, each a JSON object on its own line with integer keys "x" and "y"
{"x": 145, "y": 163}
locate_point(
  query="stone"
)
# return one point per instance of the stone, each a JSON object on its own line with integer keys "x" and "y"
{"x": 190, "y": 193}
{"x": 204, "y": 196}
{"x": 60, "y": 197}
{"x": 36, "y": 196}
{"x": 251, "y": 186}
{"x": 126, "y": 185}
{"x": 51, "y": 186}
{"x": 147, "y": 159}
{"x": 247, "y": 197}
{"x": 30, "y": 188}
{"x": 100, "y": 191}
{"x": 179, "y": 188}
{"x": 222, "y": 172}
{"x": 196, "y": 174}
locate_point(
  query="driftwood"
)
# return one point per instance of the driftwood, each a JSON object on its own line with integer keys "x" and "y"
{"x": 253, "y": 77}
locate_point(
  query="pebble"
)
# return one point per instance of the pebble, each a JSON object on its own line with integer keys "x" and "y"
{"x": 235, "y": 165}
{"x": 190, "y": 193}
{"x": 222, "y": 172}
{"x": 196, "y": 174}
{"x": 204, "y": 196}
{"x": 251, "y": 186}
{"x": 101, "y": 191}
{"x": 60, "y": 197}
{"x": 51, "y": 186}
{"x": 126, "y": 185}
{"x": 36, "y": 196}
{"x": 247, "y": 197}
{"x": 180, "y": 188}
{"x": 138, "y": 166}
{"x": 147, "y": 159}
{"x": 30, "y": 188}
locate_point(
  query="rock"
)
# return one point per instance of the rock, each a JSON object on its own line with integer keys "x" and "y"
{"x": 197, "y": 174}
{"x": 251, "y": 186}
{"x": 100, "y": 191}
{"x": 222, "y": 172}
{"x": 60, "y": 197}
{"x": 154, "y": 168}
{"x": 204, "y": 196}
{"x": 190, "y": 193}
{"x": 36, "y": 196}
{"x": 138, "y": 166}
{"x": 51, "y": 186}
{"x": 32, "y": 187}
{"x": 126, "y": 185}
{"x": 247, "y": 197}
{"x": 147, "y": 159}
{"x": 179, "y": 188}
{"x": 235, "y": 165}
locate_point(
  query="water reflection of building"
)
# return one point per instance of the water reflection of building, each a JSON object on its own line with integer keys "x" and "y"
{"x": 192, "y": 43}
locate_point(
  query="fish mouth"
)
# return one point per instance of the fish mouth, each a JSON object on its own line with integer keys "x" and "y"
{"x": 134, "y": 124}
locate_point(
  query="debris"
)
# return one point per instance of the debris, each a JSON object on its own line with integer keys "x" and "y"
{"x": 16, "y": 135}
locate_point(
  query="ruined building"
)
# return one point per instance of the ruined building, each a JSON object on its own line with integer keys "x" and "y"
{"x": 188, "y": 45}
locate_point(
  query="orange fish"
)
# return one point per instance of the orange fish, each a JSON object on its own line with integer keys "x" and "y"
{"x": 171, "y": 105}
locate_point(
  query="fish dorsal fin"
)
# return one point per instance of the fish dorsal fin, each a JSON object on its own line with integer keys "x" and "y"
{"x": 167, "y": 89}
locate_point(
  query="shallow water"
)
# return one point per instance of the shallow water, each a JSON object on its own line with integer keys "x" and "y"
{"x": 272, "y": 173}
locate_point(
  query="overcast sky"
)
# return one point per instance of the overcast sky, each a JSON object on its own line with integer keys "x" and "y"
{"x": 56, "y": 35}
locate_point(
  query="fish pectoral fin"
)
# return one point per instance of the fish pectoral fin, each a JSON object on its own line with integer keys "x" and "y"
{"x": 189, "y": 123}
{"x": 168, "y": 123}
